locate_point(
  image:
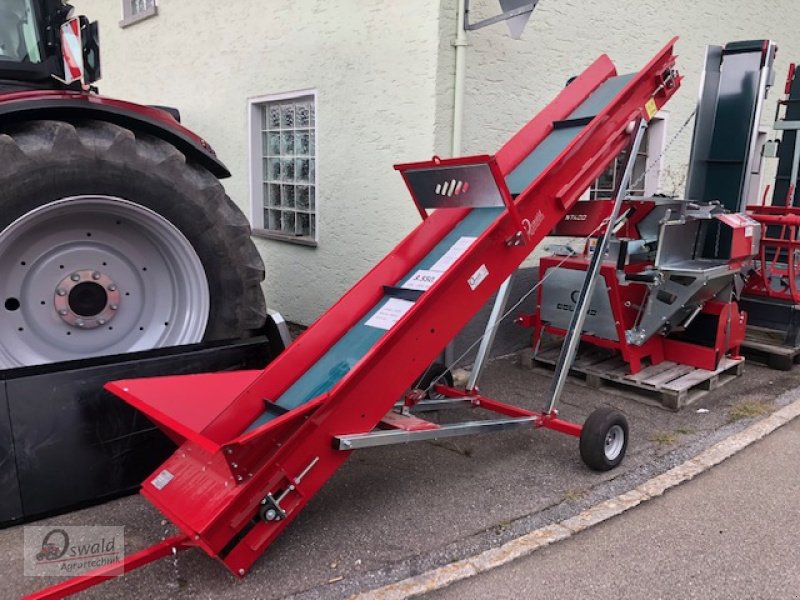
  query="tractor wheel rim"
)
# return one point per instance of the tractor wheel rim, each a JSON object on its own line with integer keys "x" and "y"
{"x": 96, "y": 275}
{"x": 615, "y": 439}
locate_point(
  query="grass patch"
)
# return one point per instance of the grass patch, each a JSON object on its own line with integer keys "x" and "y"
{"x": 748, "y": 409}
{"x": 574, "y": 494}
{"x": 664, "y": 438}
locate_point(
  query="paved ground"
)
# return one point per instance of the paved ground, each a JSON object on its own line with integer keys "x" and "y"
{"x": 730, "y": 533}
{"x": 398, "y": 511}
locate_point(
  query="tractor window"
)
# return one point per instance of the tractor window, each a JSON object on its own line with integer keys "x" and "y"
{"x": 19, "y": 39}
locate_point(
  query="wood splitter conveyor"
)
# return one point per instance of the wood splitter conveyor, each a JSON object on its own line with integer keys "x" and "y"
{"x": 255, "y": 446}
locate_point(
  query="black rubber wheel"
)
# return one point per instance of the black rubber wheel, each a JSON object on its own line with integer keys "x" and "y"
{"x": 436, "y": 374}
{"x": 47, "y": 163}
{"x": 604, "y": 439}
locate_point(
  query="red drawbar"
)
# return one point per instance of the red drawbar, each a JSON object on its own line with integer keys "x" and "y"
{"x": 128, "y": 563}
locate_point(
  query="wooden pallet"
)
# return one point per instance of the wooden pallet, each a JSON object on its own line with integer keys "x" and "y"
{"x": 766, "y": 346}
{"x": 672, "y": 385}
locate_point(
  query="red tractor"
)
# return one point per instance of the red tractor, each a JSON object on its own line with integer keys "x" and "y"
{"x": 116, "y": 235}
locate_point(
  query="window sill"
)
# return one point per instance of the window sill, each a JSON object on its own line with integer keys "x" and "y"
{"x": 132, "y": 19}
{"x": 282, "y": 237}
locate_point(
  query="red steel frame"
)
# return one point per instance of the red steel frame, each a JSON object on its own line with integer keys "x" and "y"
{"x": 217, "y": 479}
{"x": 728, "y": 337}
{"x": 780, "y": 239}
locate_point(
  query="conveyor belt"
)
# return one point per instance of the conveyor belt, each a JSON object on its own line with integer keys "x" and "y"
{"x": 343, "y": 355}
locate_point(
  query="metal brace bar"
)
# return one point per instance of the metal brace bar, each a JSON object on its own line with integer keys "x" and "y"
{"x": 528, "y": 8}
{"x": 437, "y": 404}
{"x": 386, "y": 438}
{"x": 489, "y": 334}
{"x": 573, "y": 336}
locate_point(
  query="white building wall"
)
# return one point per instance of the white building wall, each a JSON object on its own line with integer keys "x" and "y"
{"x": 508, "y": 81}
{"x": 373, "y": 65}
{"x": 383, "y": 73}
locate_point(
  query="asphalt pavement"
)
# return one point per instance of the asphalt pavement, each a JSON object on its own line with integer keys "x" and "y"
{"x": 395, "y": 512}
{"x": 731, "y": 533}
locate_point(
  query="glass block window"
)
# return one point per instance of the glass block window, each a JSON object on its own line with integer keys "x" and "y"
{"x": 288, "y": 182}
{"x": 140, "y": 6}
{"x": 604, "y": 186}
{"x": 134, "y": 11}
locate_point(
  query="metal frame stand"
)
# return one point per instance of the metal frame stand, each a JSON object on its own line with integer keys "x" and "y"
{"x": 517, "y": 417}
{"x": 573, "y": 336}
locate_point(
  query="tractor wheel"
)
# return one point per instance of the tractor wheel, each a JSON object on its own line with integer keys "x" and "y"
{"x": 604, "y": 439}
{"x": 111, "y": 242}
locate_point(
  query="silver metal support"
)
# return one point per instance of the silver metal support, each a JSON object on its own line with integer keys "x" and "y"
{"x": 521, "y": 9}
{"x": 449, "y": 355}
{"x": 438, "y": 404}
{"x": 386, "y": 438}
{"x": 573, "y": 336}
{"x": 283, "y": 328}
{"x": 489, "y": 334}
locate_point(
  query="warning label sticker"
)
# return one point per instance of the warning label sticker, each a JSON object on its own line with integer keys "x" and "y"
{"x": 650, "y": 108}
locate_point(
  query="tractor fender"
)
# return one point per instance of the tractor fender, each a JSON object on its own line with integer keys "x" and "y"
{"x": 64, "y": 105}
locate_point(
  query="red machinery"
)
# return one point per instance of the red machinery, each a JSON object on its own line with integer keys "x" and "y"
{"x": 777, "y": 271}
{"x": 673, "y": 271}
{"x": 255, "y": 446}
{"x": 661, "y": 295}
{"x": 772, "y": 293}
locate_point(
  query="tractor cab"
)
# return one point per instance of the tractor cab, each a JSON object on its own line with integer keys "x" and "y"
{"x": 43, "y": 46}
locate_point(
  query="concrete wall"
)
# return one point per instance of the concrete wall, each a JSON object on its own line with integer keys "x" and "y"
{"x": 508, "y": 80}
{"x": 373, "y": 65}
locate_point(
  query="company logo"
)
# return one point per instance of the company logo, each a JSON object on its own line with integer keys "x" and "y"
{"x": 573, "y": 295}
{"x": 73, "y": 550}
{"x": 454, "y": 187}
{"x": 532, "y": 226}
{"x": 54, "y": 545}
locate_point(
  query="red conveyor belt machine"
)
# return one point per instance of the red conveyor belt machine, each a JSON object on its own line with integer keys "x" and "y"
{"x": 255, "y": 446}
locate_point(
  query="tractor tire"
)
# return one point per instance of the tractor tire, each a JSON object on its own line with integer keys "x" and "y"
{"x": 112, "y": 242}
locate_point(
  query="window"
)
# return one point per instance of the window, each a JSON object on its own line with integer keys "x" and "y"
{"x": 134, "y": 11}
{"x": 19, "y": 39}
{"x": 283, "y": 163}
{"x": 645, "y": 179}
{"x": 604, "y": 186}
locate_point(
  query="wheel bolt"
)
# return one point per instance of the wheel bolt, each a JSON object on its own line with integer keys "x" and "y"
{"x": 61, "y": 292}
{"x": 75, "y": 277}
{"x": 101, "y": 321}
{"x": 96, "y": 276}
{"x": 112, "y": 288}
{"x": 79, "y": 323}
{"x": 114, "y": 307}
{"x": 63, "y": 312}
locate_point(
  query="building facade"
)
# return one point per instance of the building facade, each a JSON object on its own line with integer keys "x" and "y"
{"x": 310, "y": 103}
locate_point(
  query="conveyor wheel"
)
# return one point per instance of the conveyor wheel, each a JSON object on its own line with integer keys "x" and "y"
{"x": 604, "y": 439}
